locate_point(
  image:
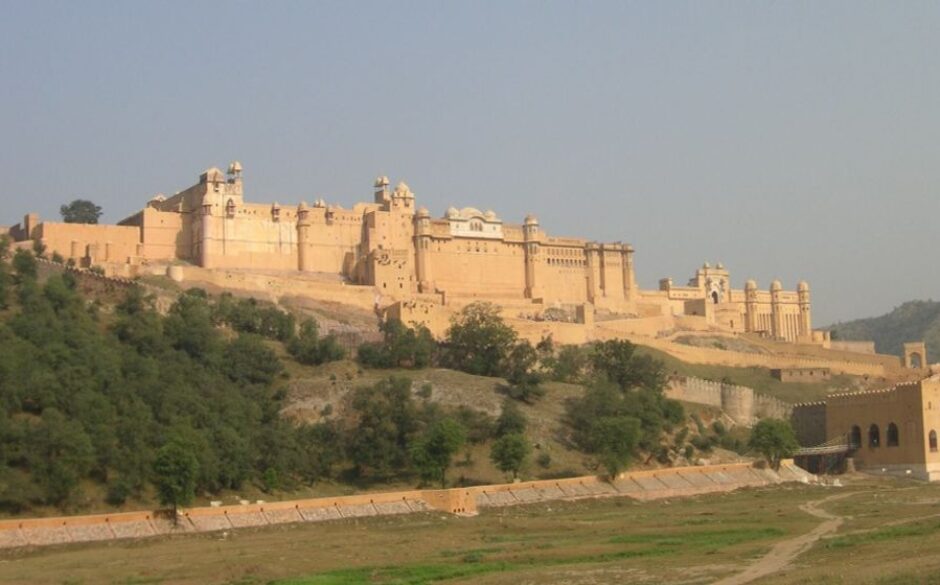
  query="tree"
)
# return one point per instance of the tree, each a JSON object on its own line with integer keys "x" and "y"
{"x": 432, "y": 452}
{"x": 615, "y": 439}
{"x": 509, "y": 453}
{"x": 176, "y": 469}
{"x": 774, "y": 439}
{"x": 80, "y": 211}
{"x": 524, "y": 381}
{"x": 249, "y": 361}
{"x": 384, "y": 422}
{"x": 402, "y": 346}
{"x": 4, "y": 272}
{"x": 478, "y": 340}
{"x": 568, "y": 365}
{"x": 511, "y": 420}
{"x": 308, "y": 348}
{"x": 616, "y": 360}
{"x": 189, "y": 326}
{"x": 25, "y": 265}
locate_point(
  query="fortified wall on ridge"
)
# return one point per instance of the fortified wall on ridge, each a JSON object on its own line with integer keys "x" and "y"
{"x": 396, "y": 250}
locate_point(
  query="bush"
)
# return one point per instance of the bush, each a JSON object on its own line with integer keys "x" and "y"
{"x": 544, "y": 460}
{"x": 401, "y": 347}
{"x": 307, "y": 347}
{"x": 511, "y": 420}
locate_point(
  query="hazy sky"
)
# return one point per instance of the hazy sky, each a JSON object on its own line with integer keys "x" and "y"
{"x": 787, "y": 140}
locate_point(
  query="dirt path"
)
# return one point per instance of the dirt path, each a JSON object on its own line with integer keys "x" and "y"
{"x": 784, "y": 552}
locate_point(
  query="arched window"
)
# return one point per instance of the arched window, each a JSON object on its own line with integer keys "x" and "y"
{"x": 230, "y": 208}
{"x": 476, "y": 226}
{"x": 874, "y": 436}
{"x": 933, "y": 441}
{"x": 892, "y": 435}
{"x": 855, "y": 437}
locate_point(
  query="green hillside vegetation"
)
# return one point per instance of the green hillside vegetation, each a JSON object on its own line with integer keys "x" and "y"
{"x": 104, "y": 402}
{"x": 912, "y": 321}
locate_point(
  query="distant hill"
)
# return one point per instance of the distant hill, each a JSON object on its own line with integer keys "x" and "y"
{"x": 912, "y": 321}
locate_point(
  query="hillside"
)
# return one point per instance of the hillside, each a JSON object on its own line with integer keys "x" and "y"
{"x": 96, "y": 380}
{"x": 912, "y": 321}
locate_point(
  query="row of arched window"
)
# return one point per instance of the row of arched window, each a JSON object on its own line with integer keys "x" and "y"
{"x": 874, "y": 436}
{"x": 892, "y": 437}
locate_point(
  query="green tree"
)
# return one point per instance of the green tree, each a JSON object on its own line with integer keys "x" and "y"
{"x": 569, "y": 364}
{"x": 401, "y": 346}
{"x": 25, "y": 265}
{"x": 189, "y": 327}
{"x": 175, "y": 471}
{"x": 774, "y": 439}
{"x": 80, "y": 211}
{"x": 310, "y": 349}
{"x": 433, "y": 452}
{"x": 509, "y": 453}
{"x": 248, "y": 360}
{"x": 617, "y": 361}
{"x": 615, "y": 439}
{"x": 510, "y": 420}
{"x": 521, "y": 374}
{"x": 384, "y": 420}
{"x": 59, "y": 454}
{"x": 479, "y": 341}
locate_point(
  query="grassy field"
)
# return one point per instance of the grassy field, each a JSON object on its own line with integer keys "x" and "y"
{"x": 695, "y": 540}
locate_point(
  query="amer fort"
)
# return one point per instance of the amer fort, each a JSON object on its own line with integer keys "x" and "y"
{"x": 391, "y": 257}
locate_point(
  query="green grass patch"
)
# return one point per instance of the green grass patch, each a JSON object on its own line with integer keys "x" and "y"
{"x": 404, "y": 575}
{"x": 700, "y": 539}
{"x": 883, "y": 534}
{"x": 474, "y": 562}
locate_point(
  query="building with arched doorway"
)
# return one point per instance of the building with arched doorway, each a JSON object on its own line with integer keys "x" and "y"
{"x": 893, "y": 430}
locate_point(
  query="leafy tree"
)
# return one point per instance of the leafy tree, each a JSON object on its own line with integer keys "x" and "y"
{"x": 25, "y": 265}
{"x": 479, "y": 341}
{"x": 249, "y": 361}
{"x": 138, "y": 324}
{"x": 433, "y": 451}
{"x": 511, "y": 420}
{"x": 402, "y": 346}
{"x": 478, "y": 424}
{"x": 509, "y": 453}
{"x": 189, "y": 327}
{"x": 617, "y": 361}
{"x": 569, "y": 364}
{"x": 308, "y": 348}
{"x": 384, "y": 422}
{"x": 80, "y": 211}
{"x": 774, "y": 439}
{"x": 614, "y": 439}
{"x": 59, "y": 454}
{"x": 524, "y": 380}
{"x": 175, "y": 469}
{"x": 4, "y": 284}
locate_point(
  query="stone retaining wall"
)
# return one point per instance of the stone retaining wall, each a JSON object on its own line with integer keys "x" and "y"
{"x": 641, "y": 485}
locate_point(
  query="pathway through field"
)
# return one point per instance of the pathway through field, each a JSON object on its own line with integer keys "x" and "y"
{"x": 784, "y": 552}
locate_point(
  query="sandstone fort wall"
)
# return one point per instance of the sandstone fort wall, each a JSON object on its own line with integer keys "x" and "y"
{"x": 740, "y": 403}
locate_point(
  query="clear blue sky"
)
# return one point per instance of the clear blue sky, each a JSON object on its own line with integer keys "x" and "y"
{"x": 788, "y": 140}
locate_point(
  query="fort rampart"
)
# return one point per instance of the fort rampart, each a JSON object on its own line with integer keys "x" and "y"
{"x": 740, "y": 403}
